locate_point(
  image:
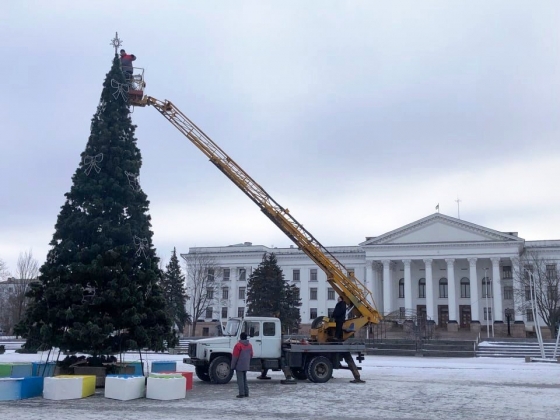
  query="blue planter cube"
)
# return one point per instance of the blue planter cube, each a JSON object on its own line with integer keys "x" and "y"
{"x": 32, "y": 386}
{"x": 137, "y": 367}
{"x": 19, "y": 370}
{"x": 164, "y": 366}
{"x": 43, "y": 369}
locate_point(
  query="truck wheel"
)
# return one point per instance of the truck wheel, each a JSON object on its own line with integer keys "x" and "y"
{"x": 299, "y": 373}
{"x": 202, "y": 373}
{"x": 319, "y": 369}
{"x": 220, "y": 371}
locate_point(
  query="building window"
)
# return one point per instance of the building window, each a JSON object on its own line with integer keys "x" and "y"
{"x": 312, "y": 313}
{"x": 240, "y": 311}
{"x": 527, "y": 293}
{"x": 225, "y": 293}
{"x": 313, "y": 274}
{"x": 422, "y": 288}
{"x": 329, "y": 312}
{"x": 313, "y": 293}
{"x": 210, "y": 274}
{"x": 465, "y": 288}
{"x": 205, "y": 331}
{"x": 295, "y": 275}
{"x": 486, "y": 287}
{"x": 401, "y": 289}
{"x": 241, "y": 293}
{"x": 226, "y": 274}
{"x": 330, "y": 293}
{"x": 209, "y": 293}
{"x": 529, "y": 315}
{"x": 209, "y": 312}
{"x": 551, "y": 271}
{"x": 242, "y": 274}
{"x": 443, "y": 287}
{"x": 402, "y": 312}
{"x": 488, "y": 314}
{"x": 506, "y": 272}
{"x": 508, "y": 292}
{"x": 224, "y": 312}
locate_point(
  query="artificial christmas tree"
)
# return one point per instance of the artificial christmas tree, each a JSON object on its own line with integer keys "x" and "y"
{"x": 98, "y": 290}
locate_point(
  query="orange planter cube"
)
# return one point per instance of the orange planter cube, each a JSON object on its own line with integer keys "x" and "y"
{"x": 188, "y": 376}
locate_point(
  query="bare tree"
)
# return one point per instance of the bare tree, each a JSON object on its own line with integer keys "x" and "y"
{"x": 204, "y": 287}
{"x": 4, "y": 272}
{"x": 27, "y": 270}
{"x": 536, "y": 277}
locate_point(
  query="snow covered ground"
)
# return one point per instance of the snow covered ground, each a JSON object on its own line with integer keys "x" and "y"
{"x": 395, "y": 388}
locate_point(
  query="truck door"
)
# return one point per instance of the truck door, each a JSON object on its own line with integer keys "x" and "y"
{"x": 271, "y": 339}
{"x": 253, "y": 331}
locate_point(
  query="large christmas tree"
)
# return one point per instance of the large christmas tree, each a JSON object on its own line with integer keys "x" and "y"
{"x": 98, "y": 289}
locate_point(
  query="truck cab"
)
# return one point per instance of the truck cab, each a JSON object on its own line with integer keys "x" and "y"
{"x": 212, "y": 356}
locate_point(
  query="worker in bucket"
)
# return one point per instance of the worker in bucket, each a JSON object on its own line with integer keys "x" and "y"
{"x": 339, "y": 316}
{"x": 241, "y": 360}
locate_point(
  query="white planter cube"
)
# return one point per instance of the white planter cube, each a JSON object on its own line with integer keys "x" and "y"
{"x": 166, "y": 387}
{"x": 68, "y": 387}
{"x": 125, "y": 387}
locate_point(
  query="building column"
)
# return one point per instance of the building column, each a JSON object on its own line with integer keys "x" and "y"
{"x": 475, "y": 309}
{"x": 387, "y": 287}
{"x": 430, "y": 308}
{"x": 377, "y": 286}
{"x": 370, "y": 282}
{"x": 407, "y": 285}
{"x": 517, "y": 291}
{"x": 497, "y": 291}
{"x": 451, "y": 292}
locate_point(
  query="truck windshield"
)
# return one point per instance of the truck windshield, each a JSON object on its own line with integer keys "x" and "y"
{"x": 231, "y": 327}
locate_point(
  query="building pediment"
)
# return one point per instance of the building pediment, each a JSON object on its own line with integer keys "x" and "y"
{"x": 438, "y": 228}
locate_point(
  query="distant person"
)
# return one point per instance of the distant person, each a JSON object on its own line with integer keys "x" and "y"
{"x": 241, "y": 361}
{"x": 339, "y": 315}
{"x": 126, "y": 64}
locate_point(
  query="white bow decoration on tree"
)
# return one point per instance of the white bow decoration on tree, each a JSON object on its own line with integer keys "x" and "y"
{"x": 121, "y": 89}
{"x": 142, "y": 244}
{"x": 91, "y": 162}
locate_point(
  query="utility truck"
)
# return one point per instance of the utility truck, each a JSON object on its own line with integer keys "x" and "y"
{"x": 316, "y": 357}
{"x": 298, "y": 358}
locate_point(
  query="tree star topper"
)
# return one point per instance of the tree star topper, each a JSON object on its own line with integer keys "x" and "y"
{"x": 116, "y": 42}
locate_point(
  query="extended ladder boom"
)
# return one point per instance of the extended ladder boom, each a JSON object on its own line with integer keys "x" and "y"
{"x": 347, "y": 286}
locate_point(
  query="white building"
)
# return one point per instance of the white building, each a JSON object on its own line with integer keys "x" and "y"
{"x": 458, "y": 274}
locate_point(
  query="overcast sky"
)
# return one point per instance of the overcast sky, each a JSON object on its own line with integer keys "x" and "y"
{"x": 359, "y": 116}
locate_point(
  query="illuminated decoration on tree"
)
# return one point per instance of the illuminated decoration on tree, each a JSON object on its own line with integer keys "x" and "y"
{"x": 91, "y": 162}
{"x": 142, "y": 245}
{"x": 133, "y": 181}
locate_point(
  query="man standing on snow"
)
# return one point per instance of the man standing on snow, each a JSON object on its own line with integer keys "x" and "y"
{"x": 241, "y": 361}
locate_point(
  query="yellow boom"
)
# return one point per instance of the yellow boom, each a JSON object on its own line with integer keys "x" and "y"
{"x": 355, "y": 294}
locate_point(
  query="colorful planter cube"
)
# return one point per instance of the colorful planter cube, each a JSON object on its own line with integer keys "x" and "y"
{"x": 166, "y": 387}
{"x": 163, "y": 366}
{"x": 188, "y": 376}
{"x": 5, "y": 370}
{"x": 32, "y": 386}
{"x": 43, "y": 369}
{"x": 20, "y": 388}
{"x": 125, "y": 387}
{"x": 16, "y": 370}
{"x": 137, "y": 367}
{"x": 10, "y": 389}
{"x": 68, "y": 387}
